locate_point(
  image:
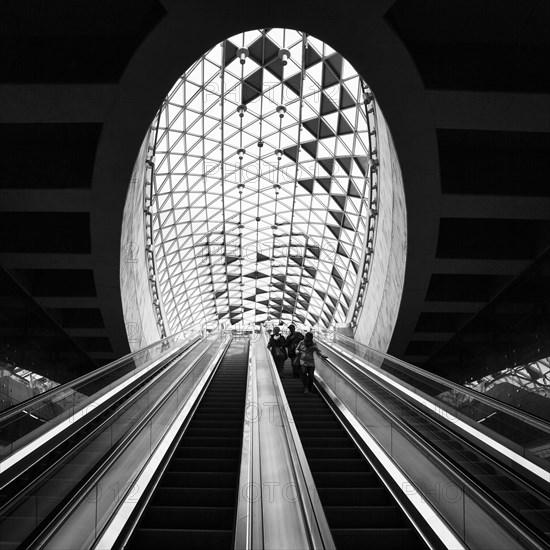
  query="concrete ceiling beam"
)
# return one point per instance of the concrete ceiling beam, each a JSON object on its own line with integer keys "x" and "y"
{"x": 510, "y": 112}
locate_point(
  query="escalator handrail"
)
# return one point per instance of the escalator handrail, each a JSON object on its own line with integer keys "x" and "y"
{"x": 528, "y": 418}
{"x": 536, "y": 489}
{"x": 471, "y": 486}
{"x": 59, "y": 427}
{"x": 314, "y": 516}
{"x": 358, "y": 363}
{"x": 46, "y": 532}
{"x": 88, "y": 377}
{"x": 248, "y": 517}
{"x": 28, "y": 489}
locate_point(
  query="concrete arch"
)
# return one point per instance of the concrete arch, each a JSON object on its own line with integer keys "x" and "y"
{"x": 360, "y": 34}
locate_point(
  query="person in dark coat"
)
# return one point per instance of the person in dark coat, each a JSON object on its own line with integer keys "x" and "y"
{"x": 305, "y": 350}
{"x": 292, "y": 341}
{"x": 277, "y": 345}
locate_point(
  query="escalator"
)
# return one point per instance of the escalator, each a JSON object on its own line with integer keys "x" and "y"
{"x": 523, "y": 499}
{"x": 193, "y": 505}
{"x": 359, "y": 509}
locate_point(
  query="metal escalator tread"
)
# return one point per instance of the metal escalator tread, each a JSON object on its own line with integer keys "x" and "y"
{"x": 359, "y": 509}
{"x": 194, "y": 504}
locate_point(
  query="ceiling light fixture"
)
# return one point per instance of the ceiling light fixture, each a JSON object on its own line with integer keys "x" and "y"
{"x": 284, "y": 56}
{"x": 242, "y": 54}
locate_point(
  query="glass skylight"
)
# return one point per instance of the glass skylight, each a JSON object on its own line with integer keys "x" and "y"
{"x": 261, "y": 217}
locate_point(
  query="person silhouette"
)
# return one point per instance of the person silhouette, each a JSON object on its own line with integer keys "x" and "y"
{"x": 305, "y": 351}
{"x": 277, "y": 345}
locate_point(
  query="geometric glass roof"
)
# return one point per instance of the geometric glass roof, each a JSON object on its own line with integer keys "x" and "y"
{"x": 258, "y": 190}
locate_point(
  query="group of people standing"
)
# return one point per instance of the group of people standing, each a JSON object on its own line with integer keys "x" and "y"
{"x": 299, "y": 350}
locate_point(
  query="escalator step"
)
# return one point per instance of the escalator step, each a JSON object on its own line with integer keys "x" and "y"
{"x": 353, "y": 496}
{"x": 338, "y": 465}
{"x": 200, "y": 479}
{"x": 221, "y": 442}
{"x": 190, "y": 539}
{"x": 325, "y": 434}
{"x": 216, "y": 424}
{"x": 304, "y": 416}
{"x": 213, "y": 416}
{"x": 189, "y": 517}
{"x": 539, "y": 518}
{"x": 317, "y": 424}
{"x": 346, "y": 479}
{"x": 213, "y": 433}
{"x": 206, "y": 452}
{"x": 196, "y": 464}
{"x": 194, "y": 496}
{"x": 330, "y": 442}
{"x": 497, "y": 482}
{"x": 331, "y": 452}
{"x": 386, "y": 538}
{"x": 365, "y": 516}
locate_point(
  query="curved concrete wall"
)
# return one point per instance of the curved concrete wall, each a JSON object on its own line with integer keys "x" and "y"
{"x": 378, "y": 317}
{"x": 137, "y": 304}
{"x": 371, "y": 47}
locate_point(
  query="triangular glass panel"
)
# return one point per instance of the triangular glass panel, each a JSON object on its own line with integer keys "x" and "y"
{"x": 311, "y": 57}
{"x": 325, "y": 183}
{"x": 346, "y": 99}
{"x": 345, "y": 163}
{"x": 255, "y": 80}
{"x": 343, "y": 126}
{"x": 271, "y": 51}
{"x": 347, "y": 224}
{"x": 335, "y": 230}
{"x": 327, "y": 164}
{"x": 315, "y": 250}
{"x": 307, "y": 185}
{"x": 275, "y": 67}
{"x": 312, "y": 126}
{"x": 291, "y": 153}
{"x": 324, "y": 130}
{"x": 261, "y": 257}
{"x": 338, "y": 216}
{"x": 340, "y": 200}
{"x": 362, "y": 163}
{"x": 352, "y": 189}
{"x": 329, "y": 78}
{"x": 327, "y": 105}
{"x": 335, "y": 63}
{"x": 340, "y": 250}
{"x": 310, "y": 147}
{"x": 294, "y": 83}
{"x": 255, "y": 50}
{"x": 249, "y": 93}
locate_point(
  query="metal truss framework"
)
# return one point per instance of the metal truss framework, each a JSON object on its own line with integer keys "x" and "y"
{"x": 532, "y": 377}
{"x": 261, "y": 192}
